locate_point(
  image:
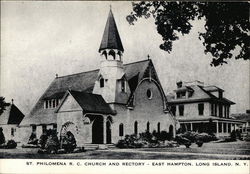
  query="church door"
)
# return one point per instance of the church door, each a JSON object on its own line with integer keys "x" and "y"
{"x": 108, "y": 132}
{"x": 97, "y": 130}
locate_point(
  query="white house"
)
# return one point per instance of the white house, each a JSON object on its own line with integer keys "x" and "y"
{"x": 203, "y": 108}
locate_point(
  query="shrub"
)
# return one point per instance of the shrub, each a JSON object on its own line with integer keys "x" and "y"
{"x": 194, "y": 136}
{"x": 204, "y": 137}
{"x": 11, "y": 144}
{"x": 247, "y": 138}
{"x": 52, "y": 143}
{"x": 32, "y": 139}
{"x": 146, "y": 136}
{"x": 199, "y": 143}
{"x": 146, "y": 139}
{"x": 68, "y": 142}
{"x": 164, "y": 136}
{"x": 182, "y": 140}
{"x": 122, "y": 144}
{"x": 2, "y": 138}
{"x": 43, "y": 139}
{"x": 190, "y": 135}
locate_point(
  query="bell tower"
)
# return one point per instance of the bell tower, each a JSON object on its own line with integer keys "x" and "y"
{"x": 112, "y": 79}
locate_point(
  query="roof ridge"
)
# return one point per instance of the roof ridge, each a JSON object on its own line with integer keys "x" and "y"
{"x": 77, "y": 73}
{"x": 207, "y": 92}
{"x": 137, "y": 62}
{"x": 99, "y": 69}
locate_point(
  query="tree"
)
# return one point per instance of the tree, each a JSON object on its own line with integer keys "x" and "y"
{"x": 226, "y": 25}
{"x": 3, "y": 104}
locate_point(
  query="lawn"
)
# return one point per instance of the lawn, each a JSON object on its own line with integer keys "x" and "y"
{"x": 224, "y": 151}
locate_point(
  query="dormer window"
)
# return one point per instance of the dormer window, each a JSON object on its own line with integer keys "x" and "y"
{"x": 101, "y": 82}
{"x": 51, "y": 103}
{"x": 181, "y": 94}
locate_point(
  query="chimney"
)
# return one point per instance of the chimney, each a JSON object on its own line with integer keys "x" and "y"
{"x": 12, "y": 101}
{"x": 179, "y": 84}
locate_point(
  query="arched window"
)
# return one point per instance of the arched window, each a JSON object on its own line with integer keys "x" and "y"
{"x": 112, "y": 53}
{"x": 121, "y": 131}
{"x": 101, "y": 82}
{"x": 171, "y": 131}
{"x": 148, "y": 126}
{"x": 159, "y": 127}
{"x": 136, "y": 128}
{"x": 149, "y": 94}
{"x": 120, "y": 55}
{"x": 105, "y": 54}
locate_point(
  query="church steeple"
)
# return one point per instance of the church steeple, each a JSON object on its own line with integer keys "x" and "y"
{"x": 111, "y": 42}
{"x": 111, "y": 82}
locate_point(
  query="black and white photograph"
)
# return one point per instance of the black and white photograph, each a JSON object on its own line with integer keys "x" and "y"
{"x": 130, "y": 81}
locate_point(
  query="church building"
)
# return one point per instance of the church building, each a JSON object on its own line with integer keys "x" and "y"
{"x": 103, "y": 105}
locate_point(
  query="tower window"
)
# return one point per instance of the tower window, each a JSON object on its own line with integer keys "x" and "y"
{"x": 123, "y": 87}
{"x": 101, "y": 83}
{"x": 105, "y": 54}
{"x": 112, "y": 53}
{"x": 12, "y": 131}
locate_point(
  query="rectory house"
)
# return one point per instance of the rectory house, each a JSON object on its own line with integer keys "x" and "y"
{"x": 103, "y": 105}
{"x": 203, "y": 108}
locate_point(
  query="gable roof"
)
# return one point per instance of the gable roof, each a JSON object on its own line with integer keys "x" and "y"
{"x": 200, "y": 94}
{"x": 11, "y": 115}
{"x": 111, "y": 38}
{"x": 83, "y": 82}
{"x": 90, "y": 103}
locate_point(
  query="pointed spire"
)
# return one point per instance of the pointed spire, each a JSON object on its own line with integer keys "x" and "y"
{"x": 111, "y": 38}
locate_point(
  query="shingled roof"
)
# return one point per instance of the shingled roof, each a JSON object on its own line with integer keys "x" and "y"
{"x": 111, "y": 38}
{"x": 83, "y": 82}
{"x": 11, "y": 115}
{"x": 90, "y": 103}
{"x": 200, "y": 94}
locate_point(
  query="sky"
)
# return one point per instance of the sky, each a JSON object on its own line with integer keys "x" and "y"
{"x": 45, "y": 38}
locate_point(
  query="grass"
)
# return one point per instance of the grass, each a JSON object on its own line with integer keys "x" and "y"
{"x": 224, "y": 151}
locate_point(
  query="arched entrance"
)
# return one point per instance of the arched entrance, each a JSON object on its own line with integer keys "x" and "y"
{"x": 171, "y": 131}
{"x": 108, "y": 132}
{"x": 97, "y": 130}
{"x": 67, "y": 127}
